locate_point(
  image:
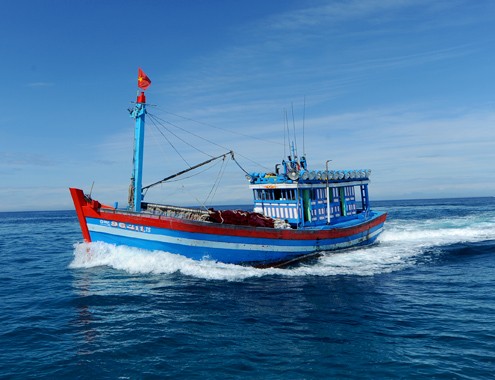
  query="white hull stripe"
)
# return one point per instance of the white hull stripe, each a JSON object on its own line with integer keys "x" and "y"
{"x": 229, "y": 245}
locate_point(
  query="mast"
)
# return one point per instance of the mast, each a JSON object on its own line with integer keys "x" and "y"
{"x": 138, "y": 114}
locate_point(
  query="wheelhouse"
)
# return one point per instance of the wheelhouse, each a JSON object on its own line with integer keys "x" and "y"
{"x": 311, "y": 198}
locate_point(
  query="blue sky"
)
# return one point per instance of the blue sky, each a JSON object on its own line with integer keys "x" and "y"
{"x": 405, "y": 88}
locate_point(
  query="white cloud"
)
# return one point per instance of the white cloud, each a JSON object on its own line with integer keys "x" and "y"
{"x": 40, "y": 84}
{"x": 357, "y": 63}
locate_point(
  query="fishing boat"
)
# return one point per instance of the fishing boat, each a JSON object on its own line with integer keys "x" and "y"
{"x": 297, "y": 213}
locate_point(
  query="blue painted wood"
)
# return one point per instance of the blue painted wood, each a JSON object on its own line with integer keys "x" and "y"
{"x": 139, "y": 114}
{"x": 225, "y": 248}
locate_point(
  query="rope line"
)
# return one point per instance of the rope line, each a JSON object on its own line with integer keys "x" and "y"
{"x": 157, "y": 120}
{"x": 237, "y": 163}
{"x": 216, "y": 127}
{"x": 216, "y": 184}
{"x": 191, "y": 133}
{"x": 183, "y": 178}
{"x": 170, "y": 143}
{"x": 209, "y": 141}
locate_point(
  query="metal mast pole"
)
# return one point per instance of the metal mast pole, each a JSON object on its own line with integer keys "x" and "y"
{"x": 138, "y": 114}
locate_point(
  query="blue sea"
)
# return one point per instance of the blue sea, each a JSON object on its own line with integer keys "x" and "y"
{"x": 419, "y": 304}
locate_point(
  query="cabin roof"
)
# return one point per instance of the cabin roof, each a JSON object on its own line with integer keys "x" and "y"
{"x": 322, "y": 177}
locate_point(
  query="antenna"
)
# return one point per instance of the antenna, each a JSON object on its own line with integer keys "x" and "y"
{"x": 304, "y": 118}
{"x": 294, "y": 127}
{"x": 90, "y": 191}
{"x": 284, "y": 114}
{"x": 288, "y": 131}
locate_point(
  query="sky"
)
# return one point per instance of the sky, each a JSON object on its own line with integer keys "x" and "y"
{"x": 405, "y": 88}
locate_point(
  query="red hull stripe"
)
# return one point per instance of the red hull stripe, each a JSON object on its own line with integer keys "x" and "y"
{"x": 241, "y": 231}
{"x": 85, "y": 209}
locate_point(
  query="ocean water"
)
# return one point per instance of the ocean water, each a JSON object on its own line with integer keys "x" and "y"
{"x": 419, "y": 304}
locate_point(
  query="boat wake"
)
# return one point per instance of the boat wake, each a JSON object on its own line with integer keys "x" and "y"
{"x": 403, "y": 244}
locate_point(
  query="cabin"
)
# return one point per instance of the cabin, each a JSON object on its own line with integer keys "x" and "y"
{"x": 311, "y": 198}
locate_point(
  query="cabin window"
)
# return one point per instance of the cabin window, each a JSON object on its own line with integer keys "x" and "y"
{"x": 342, "y": 201}
{"x": 270, "y": 195}
{"x": 275, "y": 194}
{"x": 289, "y": 194}
{"x": 349, "y": 191}
{"x": 306, "y": 196}
{"x": 263, "y": 194}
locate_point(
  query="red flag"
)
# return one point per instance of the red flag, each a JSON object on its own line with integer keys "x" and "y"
{"x": 143, "y": 80}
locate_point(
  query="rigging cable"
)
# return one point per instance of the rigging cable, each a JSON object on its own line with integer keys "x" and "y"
{"x": 237, "y": 163}
{"x": 209, "y": 141}
{"x": 191, "y": 133}
{"x": 294, "y": 127}
{"x": 216, "y": 184}
{"x": 197, "y": 200}
{"x": 304, "y": 119}
{"x": 145, "y": 189}
{"x": 288, "y": 131}
{"x": 156, "y": 119}
{"x": 186, "y": 170}
{"x": 222, "y": 129}
{"x": 284, "y": 137}
{"x": 170, "y": 143}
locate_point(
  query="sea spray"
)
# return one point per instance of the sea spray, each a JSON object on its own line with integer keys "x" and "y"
{"x": 404, "y": 243}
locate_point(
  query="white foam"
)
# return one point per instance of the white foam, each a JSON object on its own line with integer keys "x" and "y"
{"x": 401, "y": 245}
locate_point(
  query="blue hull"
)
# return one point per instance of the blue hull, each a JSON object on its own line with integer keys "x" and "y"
{"x": 227, "y": 248}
